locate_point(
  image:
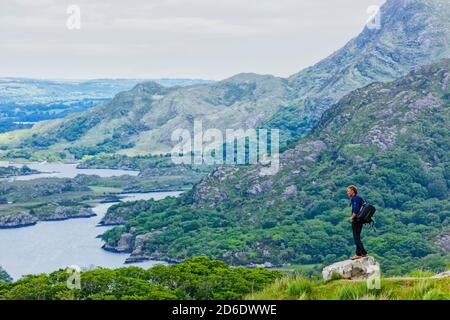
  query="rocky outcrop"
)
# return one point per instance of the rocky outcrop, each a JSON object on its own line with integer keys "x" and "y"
{"x": 363, "y": 268}
{"x": 138, "y": 254}
{"x": 12, "y": 171}
{"x": 22, "y": 219}
{"x": 110, "y": 199}
{"x": 442, "y": 275}
{"x": 289, "y": 191}
{"x": 25, "y": 219}
{"x": 443, "y": 240}
{"x": 125, "y": 244}
{"x": 64, "y": 213}
{"x": 112, "y": 220}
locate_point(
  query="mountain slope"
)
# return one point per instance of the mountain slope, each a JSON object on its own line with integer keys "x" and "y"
{"x": 391, "y": 139}
{"x": 25, "y": 91}
{"x": 412, "y": 33}
{"x": 144, "y": 118}
{"x": 26, "y": 101}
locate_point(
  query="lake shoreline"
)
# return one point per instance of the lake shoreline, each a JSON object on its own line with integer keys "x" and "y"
{"x": 75, "y": 241}
{"x": 22, "y": 221}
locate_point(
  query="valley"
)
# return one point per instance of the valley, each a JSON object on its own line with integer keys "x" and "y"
{"x": 87, "y": 177}
{"x": 62, "y": 191}
{"x": 140, "y": 121}
{"x": 52, "y": 245}
{"x": 297, "y": 216}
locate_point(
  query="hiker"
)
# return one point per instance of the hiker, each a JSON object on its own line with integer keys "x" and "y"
{"x": 357, "y": 226}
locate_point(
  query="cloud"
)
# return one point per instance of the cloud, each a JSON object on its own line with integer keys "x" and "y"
{"x": 198, "y": 38}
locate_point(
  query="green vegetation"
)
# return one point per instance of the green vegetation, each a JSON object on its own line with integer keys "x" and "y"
{"x": 292, "y": 122}
{"x": 300, "y": 288}
{"x": 4, "y": 276}
{"x": 149, "y": 165}
{"x": 60, "y": 198}
{"x": 125, "y": 211}
{"x": 56, "y": 198}
{"x": 197, "y": 278}
{"x": 46, "y": 198}
{"x": 389, "y": 139}
{"x": 11, "y": 171}
{"x": 124, "y": 162}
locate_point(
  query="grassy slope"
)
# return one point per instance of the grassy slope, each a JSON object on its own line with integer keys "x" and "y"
{"x": 299, "y": 288}
{"x": 202, "y": 279}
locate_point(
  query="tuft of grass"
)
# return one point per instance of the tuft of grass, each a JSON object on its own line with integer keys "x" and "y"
{"x": 336, "y": 276}
{"x": 436, "y": 294}
{"x": 426, "y": 290}
{"x": 421, "y": 274}
{"x": 301, "y": 287}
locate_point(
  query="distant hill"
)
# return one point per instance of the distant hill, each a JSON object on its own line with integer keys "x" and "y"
{"x": 140, "y": 121}
{"x": 26, "y": 101}
{"x": 390, "y": 139}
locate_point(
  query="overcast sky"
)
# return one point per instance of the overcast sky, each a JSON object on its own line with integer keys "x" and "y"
{"x": 209, "y": 39}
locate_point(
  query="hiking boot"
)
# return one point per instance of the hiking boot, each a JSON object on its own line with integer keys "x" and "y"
{"x": 356, "y": 257}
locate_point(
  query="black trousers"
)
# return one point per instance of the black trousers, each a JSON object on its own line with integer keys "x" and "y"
{"x": 357, "y": 228}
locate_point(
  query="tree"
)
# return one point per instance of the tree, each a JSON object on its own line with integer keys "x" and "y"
{"x": 4, "y": 276}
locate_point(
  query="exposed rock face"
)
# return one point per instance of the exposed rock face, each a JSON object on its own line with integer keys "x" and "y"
{"x": 443, "y": 241}
{"x": 109, "y": 220}
{"x": 138, "y": 253}
{"x": 128, "y": 243}
{"x": 139, "y": 242}
{"x": 363, "y": 268}
{"x": 63, "y": 213}
{"x": 18, "y": 220}
{"x": 291, "y": 190}
{"x": 125, "y": 244}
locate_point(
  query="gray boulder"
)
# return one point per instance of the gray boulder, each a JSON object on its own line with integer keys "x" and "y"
{"x": 17, "y": 220}
{"x": 360, "y": 269}
{"x": 125, "y": 242}
{"x": 124, "y": 245}
{"x": 442, "y": 275}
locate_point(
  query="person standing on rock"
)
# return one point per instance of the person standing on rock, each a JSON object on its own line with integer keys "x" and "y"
{"x": 357, "y": 226}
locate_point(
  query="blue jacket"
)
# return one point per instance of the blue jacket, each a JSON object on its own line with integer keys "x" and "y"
{"x": 356, "y": 202}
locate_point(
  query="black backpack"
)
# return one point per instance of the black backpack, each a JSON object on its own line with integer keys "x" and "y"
{"x": 366, "y": 213}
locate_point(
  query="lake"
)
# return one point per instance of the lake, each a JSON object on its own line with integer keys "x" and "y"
{"x": 64, "y": 170}
{"x": 49, "y": 246}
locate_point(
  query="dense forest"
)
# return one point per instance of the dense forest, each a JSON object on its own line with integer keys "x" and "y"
{"x": 196, "y": 278}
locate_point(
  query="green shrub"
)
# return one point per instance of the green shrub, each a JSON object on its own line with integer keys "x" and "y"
{"x": 300, "y": 287}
